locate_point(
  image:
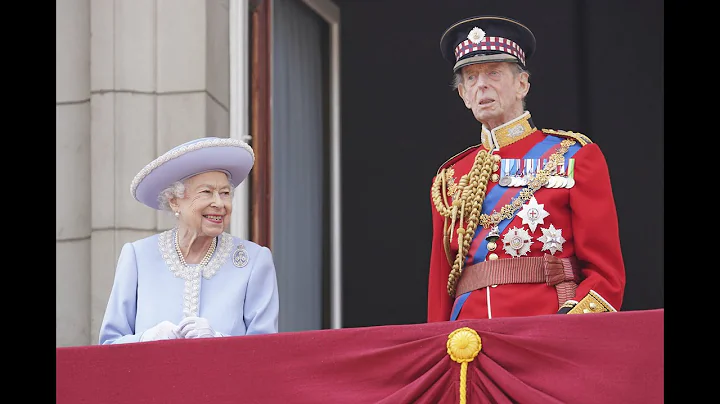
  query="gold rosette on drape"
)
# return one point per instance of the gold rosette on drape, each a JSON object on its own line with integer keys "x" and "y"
{"x": 463, "y": 345}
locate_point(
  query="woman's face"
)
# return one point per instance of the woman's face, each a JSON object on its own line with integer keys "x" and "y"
{"x": 206, "y": 207}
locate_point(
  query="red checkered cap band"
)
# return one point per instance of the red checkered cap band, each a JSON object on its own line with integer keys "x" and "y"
{"x": 490, "y": 43}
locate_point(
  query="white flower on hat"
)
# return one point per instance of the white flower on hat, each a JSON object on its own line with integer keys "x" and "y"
{"x": 476, "y": 35}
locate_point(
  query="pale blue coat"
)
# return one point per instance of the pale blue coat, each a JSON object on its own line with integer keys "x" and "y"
{"x": 237, "y": 292}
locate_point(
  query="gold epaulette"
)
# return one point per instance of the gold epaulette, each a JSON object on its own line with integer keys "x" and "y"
{"x": 582, "y": 139}
{"x": 592, "y": 303}
{"x": 456, "y": 157}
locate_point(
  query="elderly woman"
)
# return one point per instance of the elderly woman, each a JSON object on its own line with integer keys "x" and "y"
{"x": 194, "y": 280}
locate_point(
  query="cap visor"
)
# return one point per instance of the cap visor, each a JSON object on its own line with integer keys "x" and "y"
{"x": 498, "y": 57}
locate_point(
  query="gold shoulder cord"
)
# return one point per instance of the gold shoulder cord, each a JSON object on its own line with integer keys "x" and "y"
{"x": 473, "y": 191}
{"x": 446, "y": 239}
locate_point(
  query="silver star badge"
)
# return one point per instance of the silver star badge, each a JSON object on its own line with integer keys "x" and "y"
{"x": 516, "y": 242}
{"x": 533, "y": 213}
{"x": 552, "y": 239}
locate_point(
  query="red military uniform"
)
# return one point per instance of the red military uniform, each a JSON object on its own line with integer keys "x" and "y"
{"x": 573, "y": 222}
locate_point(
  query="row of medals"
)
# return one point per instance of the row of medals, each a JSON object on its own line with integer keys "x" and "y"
{"x": 519, "y": 172}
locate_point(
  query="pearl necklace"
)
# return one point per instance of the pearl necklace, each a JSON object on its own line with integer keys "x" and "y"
{"x": 205, "y": 259}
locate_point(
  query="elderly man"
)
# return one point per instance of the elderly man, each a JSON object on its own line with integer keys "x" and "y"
{"x": 524, "y": 223}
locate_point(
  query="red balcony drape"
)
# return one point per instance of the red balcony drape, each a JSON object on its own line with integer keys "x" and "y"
{"x": 593, "y": 358}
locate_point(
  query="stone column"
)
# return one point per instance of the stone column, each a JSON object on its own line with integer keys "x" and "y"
{"x": 159, "y": 77}
{"x": 72, "y": 172}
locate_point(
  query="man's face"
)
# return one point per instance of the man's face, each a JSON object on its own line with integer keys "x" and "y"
{"x": 494, "y": 91}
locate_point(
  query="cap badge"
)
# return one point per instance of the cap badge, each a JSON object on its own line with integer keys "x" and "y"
{"x": 476, "y": 35}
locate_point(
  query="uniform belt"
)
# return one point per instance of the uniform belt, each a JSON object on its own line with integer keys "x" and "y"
{"x": 548, "y": 269}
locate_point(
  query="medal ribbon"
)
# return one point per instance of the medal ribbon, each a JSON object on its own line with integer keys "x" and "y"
{"x": 498, "y": 197}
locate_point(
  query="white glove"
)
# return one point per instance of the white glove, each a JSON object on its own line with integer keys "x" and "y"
{"x": 163, "y": 330}
{"x": 195, "y": 327}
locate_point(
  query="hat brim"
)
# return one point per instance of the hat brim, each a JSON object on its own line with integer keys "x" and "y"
{"x": 231, "y": 156}
{"x": 504, "y": 27}
{"x": 498, "y": 57}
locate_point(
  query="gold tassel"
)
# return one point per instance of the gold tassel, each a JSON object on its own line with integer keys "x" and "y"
{"x": 463, "y": 345}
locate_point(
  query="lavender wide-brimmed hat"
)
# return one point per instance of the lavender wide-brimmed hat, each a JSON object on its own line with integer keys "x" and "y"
{"x": 233, "y": 156}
